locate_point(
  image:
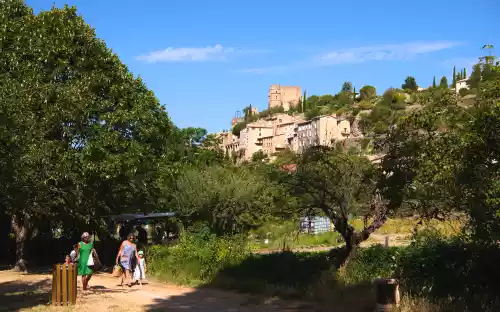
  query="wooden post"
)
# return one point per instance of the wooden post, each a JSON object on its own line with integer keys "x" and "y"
{"x": 64, "y": 285}
{"x": 387, "y": 294}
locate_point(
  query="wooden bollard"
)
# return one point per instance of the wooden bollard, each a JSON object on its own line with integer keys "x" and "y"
{"x": 64, "y": 284}
{"x": 387, "y": 294}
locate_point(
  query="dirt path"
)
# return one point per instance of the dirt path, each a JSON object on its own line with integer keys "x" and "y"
{"x": 31, "y": 292}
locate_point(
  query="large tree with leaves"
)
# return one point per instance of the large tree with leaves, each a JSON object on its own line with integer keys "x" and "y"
{"x": 230, "y": 199}
{"x": 340, "y": 186}
{"x": 82, "y": 137}
{"x": 410, "y": 83}
{"x": 346, "y": 87}
{"x": 421, "y": 160}
{"x": 367, "y": 93}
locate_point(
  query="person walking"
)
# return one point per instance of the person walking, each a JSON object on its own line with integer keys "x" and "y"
{"x": 84, "y": 251}
{"x": 125, "y": 258}
{"x": 140, "y": 269}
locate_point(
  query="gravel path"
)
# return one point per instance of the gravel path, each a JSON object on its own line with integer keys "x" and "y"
{"x": 31, "y": 292}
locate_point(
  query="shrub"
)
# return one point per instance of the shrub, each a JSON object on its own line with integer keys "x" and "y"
{"x": 441, "y": 267}
{"x": 463, "y": 91}
{"x": 369, "y": 264}
{"x": 367, "y": 92}
{"x": 197, "y": 258}
{"x": 340, "y": 111}
{"x": 285, "y": 273}
{"x": 365, "y": 105}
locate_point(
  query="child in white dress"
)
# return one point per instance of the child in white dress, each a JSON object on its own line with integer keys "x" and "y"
{"x": 140, "y": 268}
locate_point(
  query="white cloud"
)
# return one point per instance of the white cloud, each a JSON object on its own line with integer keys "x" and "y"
{"x": 189, "y": 54}
{"x": 467, "y": 62}
{"x": 387, "y": 52}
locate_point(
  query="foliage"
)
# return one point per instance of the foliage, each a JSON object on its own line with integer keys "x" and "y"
{"x": 258, "y": 156}
{"x": 367, "y": 93}
{"x": 287, "y": 273}
{"x": 197, "y": 258}
{"x": 71, "y": 107}
{"x": 285, "y": 157}
{"x": 443, "y": 83}
{"x": 347, "y": 87}
{"x": 420, "y": 171}
{"x": 238, "y": 127}
{"x": 441, "y": 268}
{"x": 463, "y": 92}
{"x": 410, "y": 83}
{"x": 480, "y": 167}
{"x": 369, "y": 264}
{"x": 339, "y": 185}
{"x": 475, "y": 77}
{"x": 310, "y": 114}
{"x": 230, "y": 199}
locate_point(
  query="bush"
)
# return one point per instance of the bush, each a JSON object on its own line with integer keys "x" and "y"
{"x": 365, "y": 105}
{"x": 197, "y": 258}
{"x": 442, "y": 267}
{"x": 285, "y": 273}
{"x": 463, "y": 91}
{"x": 369, "y": 264}
{"x": 367, "y": 92}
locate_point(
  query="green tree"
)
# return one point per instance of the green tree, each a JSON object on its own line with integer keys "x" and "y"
{"x": 285, "y": 157}
{"x": 339, "y": 186}
{"x": 479, "y": 171}
{"x": 464, "y": 75}
{"x": 475, "y": 77}
{"x": 421, "y": 160}
{"x": 410, "y": 83}
{"x": 367, "y": 92}
{"x": 347, "y": 87}
{"x": 74, "y": 109}
{"x": 258, "y": 156}
{"x": 304, "y": 102}
{"x": 443, "y": 84}
{"x": 230, "y": 199}
{"x": 454, "y": 82}
{"x": 434, "y": 82}
{"x": 248, "y": 113}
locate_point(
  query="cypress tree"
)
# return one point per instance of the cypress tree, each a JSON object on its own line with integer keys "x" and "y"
{"x": 454, "y": 77}
{"x": 304, "y": 102}
{"x": 434, "y": 82}
{"x": 465, "y": 73}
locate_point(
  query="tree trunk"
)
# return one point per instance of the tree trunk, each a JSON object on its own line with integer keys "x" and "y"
{"x": 20, "y": 226}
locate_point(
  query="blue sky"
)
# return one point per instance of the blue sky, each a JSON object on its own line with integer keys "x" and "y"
{"x": 205, "y": 60}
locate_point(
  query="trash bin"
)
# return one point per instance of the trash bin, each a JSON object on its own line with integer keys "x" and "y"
{"x": 387, "y": 294}
{"x": 64, "y": 290}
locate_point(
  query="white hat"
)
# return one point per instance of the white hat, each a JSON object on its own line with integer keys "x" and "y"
{"x": 85, "y": 234}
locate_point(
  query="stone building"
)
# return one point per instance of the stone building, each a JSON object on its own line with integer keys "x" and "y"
{"x": 286, "y": 96}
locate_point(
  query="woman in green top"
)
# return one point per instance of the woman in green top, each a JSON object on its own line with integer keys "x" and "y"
{"x": 85, "y": 250}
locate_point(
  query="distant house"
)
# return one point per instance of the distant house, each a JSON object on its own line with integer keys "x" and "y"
{"x": 461, "y": 84}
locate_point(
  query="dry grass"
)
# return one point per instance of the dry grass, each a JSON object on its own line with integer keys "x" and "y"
{"x": 407, "y": 226}
{"x": 414, "y": 304}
